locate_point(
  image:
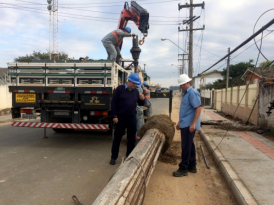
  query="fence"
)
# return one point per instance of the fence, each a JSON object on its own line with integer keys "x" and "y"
{"x": 239, "y": 102}
{"x": 206, "y": 97}
{"x": 265, "y": 97}
{"x": 5, "y": 97}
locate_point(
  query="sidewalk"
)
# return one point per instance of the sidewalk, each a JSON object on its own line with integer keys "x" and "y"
{"x": 245, "y": 159}
{"x": 5, "y": 118}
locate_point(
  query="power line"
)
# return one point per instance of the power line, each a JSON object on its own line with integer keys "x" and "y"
{"x": 156, "y": 2}
{"x": 245, "y": 49}
{"x": 97, "y": 11}
{"x": 70, "y": 14}
{"x": 150, "y": 16}
{"x": 243, "y": 43}
{"x": 243, "y": 93}
{"x": 86, "y": 16}
{"x": 74, "y": 17}
{"x": 242, "y": 51}
{"x": 83, "y": 3}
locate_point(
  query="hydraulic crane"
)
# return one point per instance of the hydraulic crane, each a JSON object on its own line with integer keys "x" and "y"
{"x": 140, "y": 17}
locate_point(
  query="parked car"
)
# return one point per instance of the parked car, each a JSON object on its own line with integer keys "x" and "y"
{"x": 157, "y": 89}
{"x": 164, "y": 90}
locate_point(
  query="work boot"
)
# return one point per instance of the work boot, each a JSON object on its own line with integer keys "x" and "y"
{"x": 180, "y": 173}
{"x": 192, "y": 169}
{"x": 112, "y": 161}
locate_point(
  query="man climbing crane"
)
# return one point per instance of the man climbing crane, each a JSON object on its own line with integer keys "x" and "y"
{"x": 113, "y": 41}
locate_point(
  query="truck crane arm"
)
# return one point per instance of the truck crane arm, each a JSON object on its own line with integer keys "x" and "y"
{"x": 138, "y": 15}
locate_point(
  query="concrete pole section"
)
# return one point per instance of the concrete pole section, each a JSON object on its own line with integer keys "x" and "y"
{"x": 129, "y": 182}
{"x": 227, "y": 69}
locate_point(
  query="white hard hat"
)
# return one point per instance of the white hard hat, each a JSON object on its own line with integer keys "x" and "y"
{"x": 183, "y": 79}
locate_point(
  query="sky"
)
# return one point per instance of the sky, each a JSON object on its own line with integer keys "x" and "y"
{"x": 83, "y": 23}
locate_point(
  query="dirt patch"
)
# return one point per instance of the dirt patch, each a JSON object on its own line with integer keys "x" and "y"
{"x": 229, "y": 117}
{"x": 205, "y": 187}
{"x": 162, "y": 123}
{"x": 239, "y": 125}
{"x": 172, "y": 155}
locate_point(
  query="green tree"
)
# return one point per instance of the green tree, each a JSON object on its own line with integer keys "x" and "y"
{"x": 39, "y": 55}
{"x": 235, "y": 73}
{"x": 237, "y": 69}
{"x": 266, "y": 64}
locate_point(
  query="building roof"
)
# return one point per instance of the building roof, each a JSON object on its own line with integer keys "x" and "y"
{"x": 3, "y": 74}
{"x": 3, "y": 71}
{"x": 267, "y": 73}
{"x": 208, "y": 73}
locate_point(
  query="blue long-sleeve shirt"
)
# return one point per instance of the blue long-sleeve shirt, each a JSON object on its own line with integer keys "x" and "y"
{"x": 124, "y": 102}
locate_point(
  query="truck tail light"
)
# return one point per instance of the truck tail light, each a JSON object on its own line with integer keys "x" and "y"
{"x": 27, "y": 111}
{"x": 99, "y": 113}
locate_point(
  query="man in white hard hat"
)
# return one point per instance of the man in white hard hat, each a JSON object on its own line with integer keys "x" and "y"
{"x": 189, "y": 122}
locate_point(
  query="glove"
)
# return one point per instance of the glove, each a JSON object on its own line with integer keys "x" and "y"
{"x": 132, "y": 34}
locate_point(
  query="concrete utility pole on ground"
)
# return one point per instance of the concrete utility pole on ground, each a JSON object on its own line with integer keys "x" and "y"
{"x": 227, "y": 70}
{"x": 190, "y": 21}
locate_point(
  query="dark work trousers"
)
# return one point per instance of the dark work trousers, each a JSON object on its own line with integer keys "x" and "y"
{"x": 128, "y": 123}
{"x": 188, "y": 148}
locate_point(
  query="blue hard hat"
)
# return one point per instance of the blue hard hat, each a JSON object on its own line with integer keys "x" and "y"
{"x": 146, "y": 84}
{"x": 139, "y": 84}
{"x": 127, "y": 29}
{"x": 134, "y": 77}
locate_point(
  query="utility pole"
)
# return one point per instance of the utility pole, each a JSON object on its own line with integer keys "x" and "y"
{"x": 190, "y": 21}
{"x": 190, "y": 56}
{"x": 144, "y": 67}
{"x": 180, "y": 63}
{"x": 181, "y": 57}
{"x": 227, "y": 69}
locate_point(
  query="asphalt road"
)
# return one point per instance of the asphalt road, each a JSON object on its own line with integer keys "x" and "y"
{"x": 50, "y": 171}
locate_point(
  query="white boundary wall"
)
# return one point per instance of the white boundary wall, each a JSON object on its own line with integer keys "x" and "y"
{"x": 5, "y": 97}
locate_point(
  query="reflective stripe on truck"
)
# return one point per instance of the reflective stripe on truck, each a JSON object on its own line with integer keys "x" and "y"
{"x": 61, "y": 125}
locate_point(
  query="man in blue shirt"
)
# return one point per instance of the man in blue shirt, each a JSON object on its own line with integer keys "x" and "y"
{"x": 123, "y": 109}
{"x": 189, "y": 122}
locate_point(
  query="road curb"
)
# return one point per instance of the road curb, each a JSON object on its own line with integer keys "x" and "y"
{"x": 239, "y": 190}
{"x": 4, "y": 121}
